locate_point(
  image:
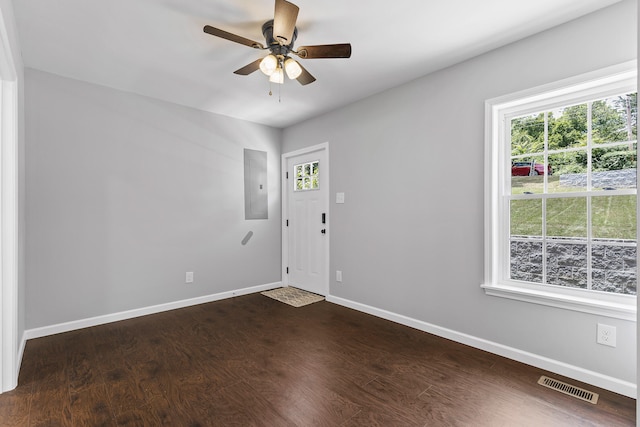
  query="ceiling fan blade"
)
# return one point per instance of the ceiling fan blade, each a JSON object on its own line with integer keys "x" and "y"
{"x": 232, "y": 37}
{"x": 342, "y": 50}
{"x": 250, "y": 68}
{"x": 305, "y": 78}
{"x": 284, "y": 21}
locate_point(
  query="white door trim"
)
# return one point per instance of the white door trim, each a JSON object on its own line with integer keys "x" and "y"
{"x": 285, "y": 210}
{"x": 9, "y": 360}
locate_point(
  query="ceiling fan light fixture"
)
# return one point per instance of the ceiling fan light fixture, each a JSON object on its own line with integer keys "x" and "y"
{"x": 292, "y": 68}
{"x": 277, "y": 76}
{"x": 269, "y": 64}
{"x": 280, "y": 33}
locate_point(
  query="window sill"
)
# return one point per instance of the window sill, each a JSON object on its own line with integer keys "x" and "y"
{"x": 616, "y": 306}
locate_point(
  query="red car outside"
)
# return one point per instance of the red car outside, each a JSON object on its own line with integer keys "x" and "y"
{"x": 528, "y": 169}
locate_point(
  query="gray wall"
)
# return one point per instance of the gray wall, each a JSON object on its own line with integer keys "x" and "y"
{"x": 125, "y": 194}
{"x": 409, "y": 238}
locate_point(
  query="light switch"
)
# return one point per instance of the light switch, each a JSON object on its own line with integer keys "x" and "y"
{"x": 339, "y": 197}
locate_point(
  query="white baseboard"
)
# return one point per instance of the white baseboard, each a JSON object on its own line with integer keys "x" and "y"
{"x": 23, "y": 344}
{"x": 590, "y": 377}
{"x": 130, "y": 314}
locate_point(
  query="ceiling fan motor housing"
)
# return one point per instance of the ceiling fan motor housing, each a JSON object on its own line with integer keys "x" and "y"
{"x": 274, "y": 45}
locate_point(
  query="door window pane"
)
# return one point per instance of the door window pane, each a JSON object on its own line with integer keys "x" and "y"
{"x": 307, "y": 176}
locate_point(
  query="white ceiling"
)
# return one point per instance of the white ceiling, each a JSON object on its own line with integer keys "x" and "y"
{"x": 157, "y": 47}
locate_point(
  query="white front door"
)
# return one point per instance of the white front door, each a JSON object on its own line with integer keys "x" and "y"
{"x": 306, "y": 220}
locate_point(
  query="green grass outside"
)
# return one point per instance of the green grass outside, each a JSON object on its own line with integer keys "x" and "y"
{"x": 535, "y": 184}
{"x": 613, "y": 217}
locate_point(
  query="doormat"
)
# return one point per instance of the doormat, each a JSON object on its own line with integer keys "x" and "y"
{"x": 293, "y": 296}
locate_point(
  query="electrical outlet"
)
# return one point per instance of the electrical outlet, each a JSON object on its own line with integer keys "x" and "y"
{"x": 189, "y": 277}
{"x": 606, "y": 335}
{"x": 338, "y": 276}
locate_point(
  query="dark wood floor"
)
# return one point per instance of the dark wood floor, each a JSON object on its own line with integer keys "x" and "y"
{"x": 253, "y": 361}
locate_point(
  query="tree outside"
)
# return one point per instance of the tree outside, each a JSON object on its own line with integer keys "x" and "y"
{"x": 614, "y": 120}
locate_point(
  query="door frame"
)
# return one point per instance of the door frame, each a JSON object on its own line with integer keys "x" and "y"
{"x": 285, "y": 210}
{"x": 9, "y": 340}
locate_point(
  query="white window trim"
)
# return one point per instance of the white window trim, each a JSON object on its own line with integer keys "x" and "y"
{"x": 592, "y": 85}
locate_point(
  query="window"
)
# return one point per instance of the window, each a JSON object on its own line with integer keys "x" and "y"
{"x": 306, "y": 176}
{"x": 561, "y": 194}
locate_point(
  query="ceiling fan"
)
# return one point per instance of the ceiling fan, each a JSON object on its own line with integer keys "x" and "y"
{"x": 280, "y": 33}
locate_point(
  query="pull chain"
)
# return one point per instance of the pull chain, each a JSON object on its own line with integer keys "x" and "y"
{"x": 279, "y": 92}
